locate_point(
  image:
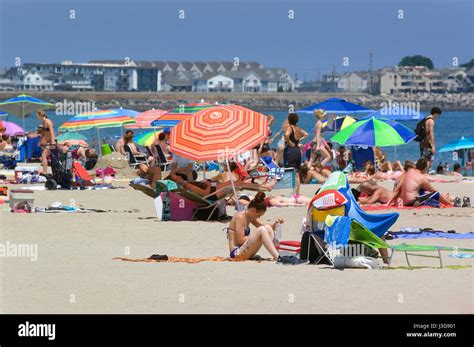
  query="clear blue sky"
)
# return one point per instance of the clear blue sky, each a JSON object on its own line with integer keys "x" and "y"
{"x": 321, "y": 34}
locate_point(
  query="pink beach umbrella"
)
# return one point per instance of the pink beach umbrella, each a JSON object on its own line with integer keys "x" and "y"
{"x": 11, "y": 128}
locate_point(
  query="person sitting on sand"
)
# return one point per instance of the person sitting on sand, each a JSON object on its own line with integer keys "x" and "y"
{"x": 243, "y": 244}
{"x": 415, "y": 188}
{"x": 278, "y": 201}
{"x": 343, "y": 157}
{"x": 310, "y": 176}
{"x": 456, "y": 170}
{"x": 374, "y": 192}
{"x": 383, "y": 165}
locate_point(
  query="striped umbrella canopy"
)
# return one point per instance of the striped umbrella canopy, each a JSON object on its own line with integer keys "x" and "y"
{"x": 218, "y": 133}
{"x": 173, "y": 117}
{"x": 144, "y": 119}
{"x": 11, "y": 128}
{"x": 125, "y": 112}
{"x": 96, "y": 119}
{"x": 147, "y": 139}
{"x": 374, "y": 132}
{"x": 22, "y": 105}
{"x": 340, "y": 122}
{"x": 73, "y": 138}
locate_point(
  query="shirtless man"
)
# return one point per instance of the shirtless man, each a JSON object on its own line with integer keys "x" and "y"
{"x": 375, "y": 193}
{"x": 415, "y": 188}
{"x": 127, "y": 137}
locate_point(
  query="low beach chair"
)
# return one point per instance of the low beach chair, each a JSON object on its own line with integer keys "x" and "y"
{"x": 363, "y": 235}
{"x": 161, "y": 159}
{"x": 134, "y": 160}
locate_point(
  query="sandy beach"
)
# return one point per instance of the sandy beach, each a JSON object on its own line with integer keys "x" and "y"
{"x": 75, "y": 271}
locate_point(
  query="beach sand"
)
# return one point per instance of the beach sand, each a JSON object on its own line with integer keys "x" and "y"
{"x": 75, "y": 271}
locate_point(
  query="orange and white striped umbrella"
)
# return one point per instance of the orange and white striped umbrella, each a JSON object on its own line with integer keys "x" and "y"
{"x": 218, "y": 133}
{"x": 144, "y": 119}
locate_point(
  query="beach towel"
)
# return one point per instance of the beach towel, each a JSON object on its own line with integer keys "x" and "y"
{"x": 169, "y": 259}
{"x": 385, "y": 207}
{"x": 430, "y": 234}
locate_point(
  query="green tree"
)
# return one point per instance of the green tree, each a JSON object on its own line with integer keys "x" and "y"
{"x": 469, "y": 64}
{"x": 416, "y": 60}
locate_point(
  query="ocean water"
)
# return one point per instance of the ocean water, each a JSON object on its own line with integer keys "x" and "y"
{"x": 449, "y": 127}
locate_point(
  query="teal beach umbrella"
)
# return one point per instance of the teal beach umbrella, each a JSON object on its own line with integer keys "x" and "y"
{"x": 22, "y": 105}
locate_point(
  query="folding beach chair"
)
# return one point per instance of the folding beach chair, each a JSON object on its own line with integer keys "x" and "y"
{"x": 363, "y": 235}
{"x": 134, "y": 160}
{"x": 161, "y": 158}
{"x": 286, "y": 177}
{"x": 82, "y": 176}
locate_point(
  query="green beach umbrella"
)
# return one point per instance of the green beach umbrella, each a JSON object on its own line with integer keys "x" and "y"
{"x": 374, "y": 132}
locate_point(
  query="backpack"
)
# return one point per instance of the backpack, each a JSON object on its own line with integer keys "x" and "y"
{"x": 420, "y": 130}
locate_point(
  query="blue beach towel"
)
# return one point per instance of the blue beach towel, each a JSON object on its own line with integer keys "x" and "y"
{"x": 430, "y": 234}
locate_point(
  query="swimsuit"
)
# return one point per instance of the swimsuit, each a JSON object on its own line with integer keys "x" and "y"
{"x": 233, "y": 253}
{"x": 425, "y": 199}
{"x": 292, "y": 154}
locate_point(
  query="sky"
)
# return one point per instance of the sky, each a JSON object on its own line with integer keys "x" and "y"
{"x": 319, "y": 34}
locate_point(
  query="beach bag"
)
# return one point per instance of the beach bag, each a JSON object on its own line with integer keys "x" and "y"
{"x": 420, "y": 130}
{"x": 309, "y": 250}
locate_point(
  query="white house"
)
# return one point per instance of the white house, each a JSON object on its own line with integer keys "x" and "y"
{"x": 352, "y": 83}
{"x": 220, "y": 83}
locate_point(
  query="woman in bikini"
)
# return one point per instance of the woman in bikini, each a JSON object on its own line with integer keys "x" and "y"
{"x": 292, "y": 153}
{"x": 318, "y": 139}
{"x": 310, "y": 176}
{"x": 278, "y": 201}
{"x": 243, "y": 244}
{"x": 383, "y": 165}
{"x": 47, "y": 137}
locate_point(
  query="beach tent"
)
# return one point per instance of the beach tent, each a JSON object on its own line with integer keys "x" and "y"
{"x": 335, "y": 194}
{"x": 22, "y": 105}
{"x": 337, "y": 106}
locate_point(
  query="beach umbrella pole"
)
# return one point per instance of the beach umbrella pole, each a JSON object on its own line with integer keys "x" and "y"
{"x": 100, "y": 155}
{"x": 229, "y": 173}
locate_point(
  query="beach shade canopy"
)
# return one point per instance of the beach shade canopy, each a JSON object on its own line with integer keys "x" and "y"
{"x": 218, "y": 133}
{"x": 144, "y": 119}
{"x": 337, "y": 106}
{"x": 22, "y": 105}
{"x": 11, "y": 128}
{"x": 125, "y": 112}
{"x": 374, "y": 132}
{"x": 462, "y": 143}
{"x": 396, "y": 113}
{"x": 147, "y": 138}
{"x": 96, "y": 119}
{"x": 70, "y": 136}
{"x": 339, "y": 123}
{"x": 172, "y": 117}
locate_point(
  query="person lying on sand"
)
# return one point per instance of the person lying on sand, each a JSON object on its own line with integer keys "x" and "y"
{"x": 278, "y": 201}
{"x": 414, "y": 188}
{"x": 375, "y": 193}
{"x": 310, "y": 175}
{"x": 243, "y": 244}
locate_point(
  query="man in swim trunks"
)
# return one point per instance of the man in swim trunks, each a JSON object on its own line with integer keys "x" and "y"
{"x": 374, "y": 192}
{"x": 414, "y": 189}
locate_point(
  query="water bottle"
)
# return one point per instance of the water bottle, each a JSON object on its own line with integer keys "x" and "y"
{"x": 278, "y": 232}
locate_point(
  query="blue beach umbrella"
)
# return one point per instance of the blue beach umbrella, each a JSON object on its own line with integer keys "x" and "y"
{"x": 337, "y": 106}
{"x": 462, "y": 143}
{"x": 396, "y": 113}
{"x": 22, "y": 105}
